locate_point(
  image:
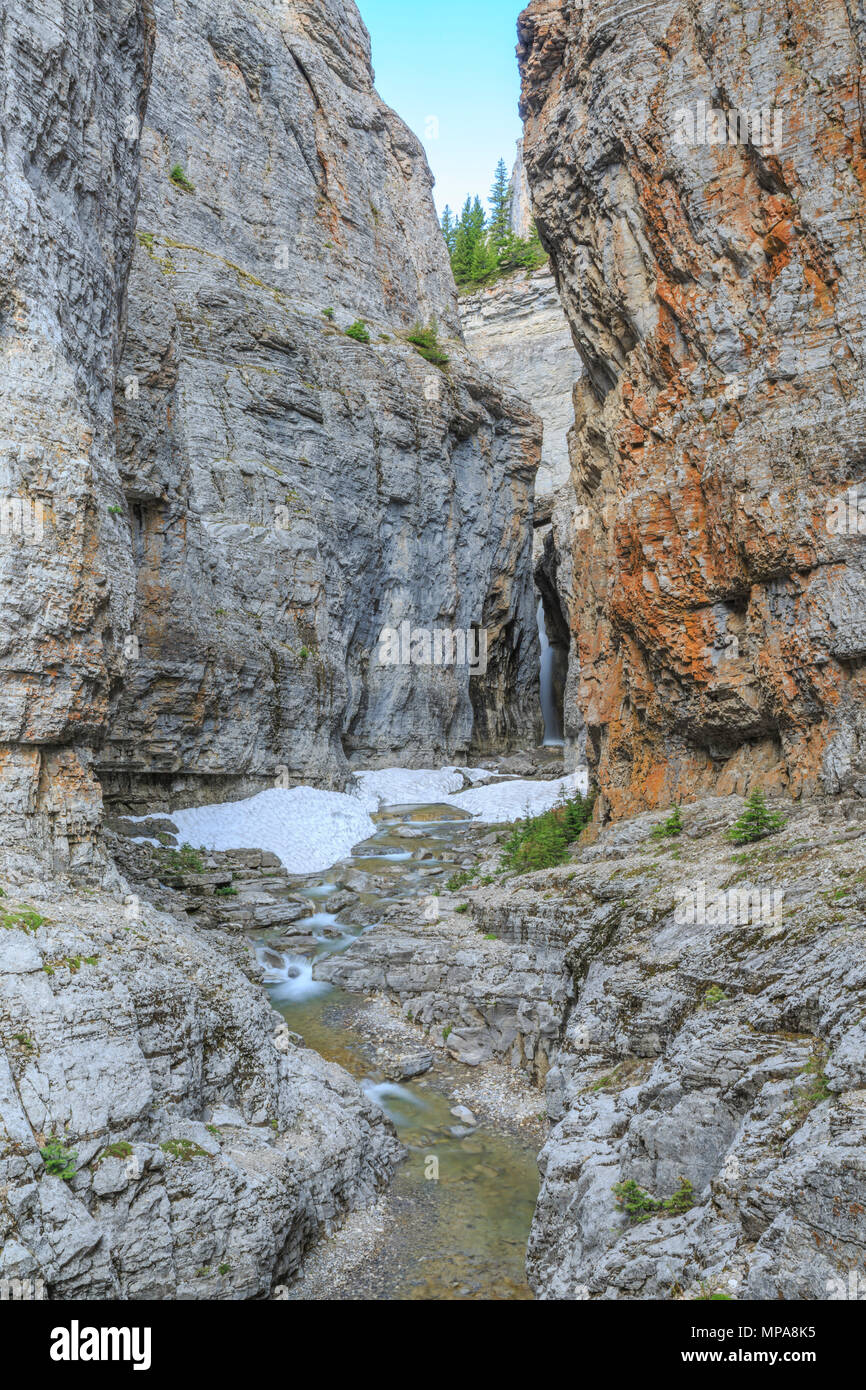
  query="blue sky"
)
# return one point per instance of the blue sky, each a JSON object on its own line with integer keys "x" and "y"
{"x": 448, "y": 68}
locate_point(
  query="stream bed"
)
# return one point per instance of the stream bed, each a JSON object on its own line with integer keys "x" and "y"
{"x": 460, "y": 1206}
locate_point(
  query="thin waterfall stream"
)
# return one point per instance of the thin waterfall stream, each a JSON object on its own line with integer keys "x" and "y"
{"x": 553, "y": 733}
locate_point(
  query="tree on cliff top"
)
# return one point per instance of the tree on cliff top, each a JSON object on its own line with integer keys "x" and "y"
{"x": 482, "y": 248}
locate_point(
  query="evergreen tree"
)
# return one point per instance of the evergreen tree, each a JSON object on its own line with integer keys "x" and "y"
{"x": 484, "y": 261}
{"x": 756, "y": 822}
{"x": 449, "y": 231}
{"x": 467, "y": 235}
{"x": 670, "y": 828}
{"x": 499, "y": 225}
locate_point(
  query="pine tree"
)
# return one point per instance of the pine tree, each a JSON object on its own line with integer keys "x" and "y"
{"x": 499, "y": 225}
{"x": 756, "y": 822}
{"x": 466, "y": 236}
{"x": 671, "y": 827}
{"x": 484, "y": 262}
{"x": 449, "y": 231}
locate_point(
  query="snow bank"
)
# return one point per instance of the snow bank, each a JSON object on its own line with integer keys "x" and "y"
{"x": 406, "y": 786}
{"x": 309, "y": 830}
{"x": 508, "y": 801}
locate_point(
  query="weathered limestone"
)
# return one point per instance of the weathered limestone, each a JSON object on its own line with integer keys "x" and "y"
{"x": 695, "y": 1016}
{"x": 73, "y": 84}
{"x": 716, "y": 295}
{"x": 291, "y": 492}
{"x": 210, "y": 1152}
{"x": 517, "y": 328}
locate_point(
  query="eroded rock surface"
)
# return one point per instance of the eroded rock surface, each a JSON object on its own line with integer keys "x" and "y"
{"x": 715, "y": 291}
{"x": 696, "y": 1013}
{"x": 292, "y": 491}
{"x": 210, "y": 1151}
{"x": 73, "y": 84}
{"x": 517, "y": 328}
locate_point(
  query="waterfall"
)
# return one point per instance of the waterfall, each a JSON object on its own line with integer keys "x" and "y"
{"x": 552, "y": 719}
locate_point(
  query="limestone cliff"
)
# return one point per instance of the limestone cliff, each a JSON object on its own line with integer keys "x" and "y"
{"x": 517, "y": 328}
{"x": 292, "y": 491}
{"x": 712, "y": 269}
{"x": 73, "y": 89}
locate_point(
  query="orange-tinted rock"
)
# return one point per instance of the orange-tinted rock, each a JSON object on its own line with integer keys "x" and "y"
{"x": 717, "y": 295}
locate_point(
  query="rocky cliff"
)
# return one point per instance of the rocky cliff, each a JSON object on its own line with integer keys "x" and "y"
{"x": 697, "y": 1019}
{"x": 74, "y": 93}
{"x": 292, "y": 491}
{"x": 517, "y": 328}
{"x": 161, "y": 1134}
{"x": 710, "y": 260}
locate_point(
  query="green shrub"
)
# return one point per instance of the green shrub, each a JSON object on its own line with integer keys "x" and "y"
{"x": 715, "y": 995}
{"x": 460, "y": 880}
{"x": 185, "y": 860}
{"x": 640, "y": 1206}
{"x": 672, "y": 826}
{"x": 227, "y": 892}
{"x": 59, "y": 1161}
{"x": 637, "y": 1204}
{"x": 464, "y": 907}
{"x": 184, "y": 1149}
{"x": 22, "y": 918}
{"x": 329, "y": 314}
{"x": 359, "y": 331}
{"x": 577, "y": 813}
{"x": 179, "y": 178}
{"x": 756, "y": 822}
{"x": 426, "y": 341}
{"x": 121, "y": 1148}
{"x": 541, "y": 842}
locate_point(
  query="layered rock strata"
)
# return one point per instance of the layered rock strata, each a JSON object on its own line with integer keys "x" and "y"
{"x": 293, "y": 491}
{"x": 696, "y": 178}
{"x": 697, "y": 1019}
{"x": 73, "y": 87}
{"x": 162, "y": 1134}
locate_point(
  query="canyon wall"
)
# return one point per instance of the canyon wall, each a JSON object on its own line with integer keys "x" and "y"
{"x": 73, "y": 86}
{"x": 517, "y": 328}
{"x": 712, "y": 270}
{"x": 292, "y": 491}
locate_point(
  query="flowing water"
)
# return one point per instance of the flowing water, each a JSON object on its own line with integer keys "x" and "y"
{"x": 553, "y": 736}
{"x": 461, "y": 1203}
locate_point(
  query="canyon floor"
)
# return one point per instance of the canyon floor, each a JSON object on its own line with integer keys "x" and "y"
{"x": 334, "y": 1085}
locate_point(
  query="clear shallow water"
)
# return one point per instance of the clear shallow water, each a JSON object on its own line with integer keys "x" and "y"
{"x": 461, "y": 1207}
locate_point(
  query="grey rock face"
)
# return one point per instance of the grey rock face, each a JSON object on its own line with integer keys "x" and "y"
{"x": 713, "y": 1039}
{"x": 714, "y": 282}
{"x": 210, "y": 1150}
{"x": 518, "y": 329}
{"x": 72, "y": 88}
{"x": 292, "y": 492}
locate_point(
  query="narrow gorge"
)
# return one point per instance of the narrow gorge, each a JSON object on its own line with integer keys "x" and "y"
{"x": 432, "y": 820}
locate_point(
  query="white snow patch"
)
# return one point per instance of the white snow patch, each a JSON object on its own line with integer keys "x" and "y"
{"x": 406, "y": 786}
{"x": 308, "y": 829}
{"x": 508, "y": 801}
